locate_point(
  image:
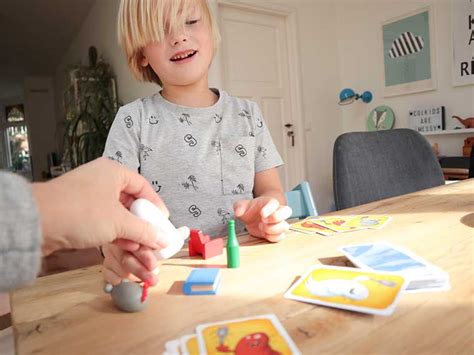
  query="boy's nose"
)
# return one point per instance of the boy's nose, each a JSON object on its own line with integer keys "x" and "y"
{"x": 178, "y": 38}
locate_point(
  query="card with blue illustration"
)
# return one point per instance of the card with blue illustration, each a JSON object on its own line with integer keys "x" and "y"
{"x": 382, "y": 256}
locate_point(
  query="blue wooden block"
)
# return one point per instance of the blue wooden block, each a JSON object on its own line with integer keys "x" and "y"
{"x": 204, "y": 281}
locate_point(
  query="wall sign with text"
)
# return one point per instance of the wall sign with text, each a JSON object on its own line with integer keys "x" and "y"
{"x": 427, "y": 119}
{"x": 463, "y": 42}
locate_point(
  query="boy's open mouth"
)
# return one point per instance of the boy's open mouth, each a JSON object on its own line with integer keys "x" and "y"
{"x": 183, "y": 55}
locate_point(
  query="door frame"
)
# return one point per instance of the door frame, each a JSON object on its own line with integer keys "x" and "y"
{"x": 298, "y": 156}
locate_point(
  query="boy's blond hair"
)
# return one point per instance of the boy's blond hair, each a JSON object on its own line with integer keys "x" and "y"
{"x": 141, "y": 22}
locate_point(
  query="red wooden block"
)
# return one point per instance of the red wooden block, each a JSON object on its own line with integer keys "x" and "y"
{"x": 201, "y": 244}
{"x": 196, "y": 241}
{"x": 213, "y": 248}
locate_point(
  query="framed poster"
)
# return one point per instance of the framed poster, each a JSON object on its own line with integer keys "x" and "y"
{"x": 463, "y": 42}
{"x": 409, "y": 63}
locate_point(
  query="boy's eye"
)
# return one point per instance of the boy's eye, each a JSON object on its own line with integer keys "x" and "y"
{"x": 191, "y": 22}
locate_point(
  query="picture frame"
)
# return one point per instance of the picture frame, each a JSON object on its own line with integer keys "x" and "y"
{"x": 462, "y": 23}
{"x": 409, "y": 53}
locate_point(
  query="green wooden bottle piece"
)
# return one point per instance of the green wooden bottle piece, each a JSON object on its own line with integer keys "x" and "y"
{"x": 233, "y": 254}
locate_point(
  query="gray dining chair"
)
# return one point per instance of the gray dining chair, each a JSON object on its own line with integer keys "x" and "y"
{"x": 371, "y": 166}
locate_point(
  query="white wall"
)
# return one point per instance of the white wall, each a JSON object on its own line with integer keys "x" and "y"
{"x": 320, "y": 80}
{"x": 361, "y": 68}
{"x": 40, "y": 117}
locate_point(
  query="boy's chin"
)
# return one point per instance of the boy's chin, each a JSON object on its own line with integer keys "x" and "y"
{"x": 188, "y": 80}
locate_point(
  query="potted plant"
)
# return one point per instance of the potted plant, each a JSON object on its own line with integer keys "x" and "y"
{"x": 90, "y": 107}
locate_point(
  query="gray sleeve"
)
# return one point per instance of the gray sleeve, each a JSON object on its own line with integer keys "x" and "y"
{"x": 20, "y": 233}
{"x": 123, "y": 142}
{"x": 266, "y": 154}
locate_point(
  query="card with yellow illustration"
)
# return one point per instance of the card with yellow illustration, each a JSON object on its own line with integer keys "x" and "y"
{"x": 349, "y": 288}
{"x": 369, "y": 221}
{"x": 337, "y": 223}
{"x": 189, "y": 344}
{"x": 263, "y": 334}
{"x": 309, "y": 226}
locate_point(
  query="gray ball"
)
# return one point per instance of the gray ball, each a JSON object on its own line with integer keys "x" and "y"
{"x": 127, "y": 297}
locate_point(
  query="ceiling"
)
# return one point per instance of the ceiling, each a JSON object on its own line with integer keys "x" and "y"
{"x": 34, "y": 35}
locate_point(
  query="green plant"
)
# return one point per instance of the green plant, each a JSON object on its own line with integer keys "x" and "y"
{"x": 90, "y": 107}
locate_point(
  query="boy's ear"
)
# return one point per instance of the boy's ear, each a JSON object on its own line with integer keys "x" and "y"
{"x": 144, "y": 61}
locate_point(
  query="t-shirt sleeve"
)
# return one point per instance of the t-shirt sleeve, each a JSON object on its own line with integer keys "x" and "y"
{"x": 20, "y": 233}
{"x": 266, "y": 154}
{"x": 123, "y": 141}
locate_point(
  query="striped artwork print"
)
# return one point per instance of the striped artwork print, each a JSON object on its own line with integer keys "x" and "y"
{"x": 405, "y": 44}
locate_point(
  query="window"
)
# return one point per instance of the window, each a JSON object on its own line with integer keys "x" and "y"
{"x": 16, "y": 150}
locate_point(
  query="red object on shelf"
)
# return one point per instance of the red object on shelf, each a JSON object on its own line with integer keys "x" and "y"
{"x": 202, "y": 244}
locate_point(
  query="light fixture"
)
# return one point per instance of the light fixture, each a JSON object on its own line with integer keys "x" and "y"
{"x": 348, "y": 96}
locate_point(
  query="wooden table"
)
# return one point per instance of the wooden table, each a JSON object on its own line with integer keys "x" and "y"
{"x": 68, "y": 313}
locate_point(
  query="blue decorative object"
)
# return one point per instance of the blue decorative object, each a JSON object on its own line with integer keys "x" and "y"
{"x": 301, "y": 201}
{"x": 348, "y": 96}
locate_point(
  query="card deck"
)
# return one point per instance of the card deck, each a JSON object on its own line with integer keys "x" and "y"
{"x": 382, "y": 256}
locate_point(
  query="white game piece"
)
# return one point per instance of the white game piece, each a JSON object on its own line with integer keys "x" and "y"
{"x": 330, "y": 288}
{"x": 149, "y": 212}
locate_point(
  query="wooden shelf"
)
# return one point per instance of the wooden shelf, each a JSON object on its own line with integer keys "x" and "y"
{"x": 450, "y": 131}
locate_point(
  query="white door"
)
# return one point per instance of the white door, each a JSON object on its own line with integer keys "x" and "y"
{"x": 255, "y": 65}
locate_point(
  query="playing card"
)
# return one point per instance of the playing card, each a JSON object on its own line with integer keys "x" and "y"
{"x": 172, "y": 347}
{"x": 309, "y": 226}
{"x": 349, "y": 288}
{"x": 382, "y": 256}
{"x": 189, "y": 344}
{"x": 368, "y": 221}
{"x": 263, "y": 334}
{"x": 336, "y": 223}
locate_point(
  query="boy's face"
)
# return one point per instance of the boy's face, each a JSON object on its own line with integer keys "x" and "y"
{"x": 184, "y": 56}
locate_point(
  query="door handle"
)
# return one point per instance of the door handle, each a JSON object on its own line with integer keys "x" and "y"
{"x": 290, "y": 134}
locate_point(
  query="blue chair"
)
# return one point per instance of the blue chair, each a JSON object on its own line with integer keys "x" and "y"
{"x": 300, "y": 199}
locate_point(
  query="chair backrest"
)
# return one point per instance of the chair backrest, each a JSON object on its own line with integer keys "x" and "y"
{"x": 371, "y": 166}
{"x": 301, "y": 201}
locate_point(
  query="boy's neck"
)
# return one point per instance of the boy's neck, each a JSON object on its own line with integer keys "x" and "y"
{"x": 190, "y": 95}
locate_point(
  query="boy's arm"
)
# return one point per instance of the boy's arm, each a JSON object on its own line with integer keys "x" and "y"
{"x": 123, "y": 140}
{"x": 267, "y": 183}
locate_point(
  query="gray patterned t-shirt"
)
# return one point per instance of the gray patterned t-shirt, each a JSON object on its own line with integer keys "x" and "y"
{"x": 199, "y": 160}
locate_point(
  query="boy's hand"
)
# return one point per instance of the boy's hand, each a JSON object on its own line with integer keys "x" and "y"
{"x": 264, "y": 217}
